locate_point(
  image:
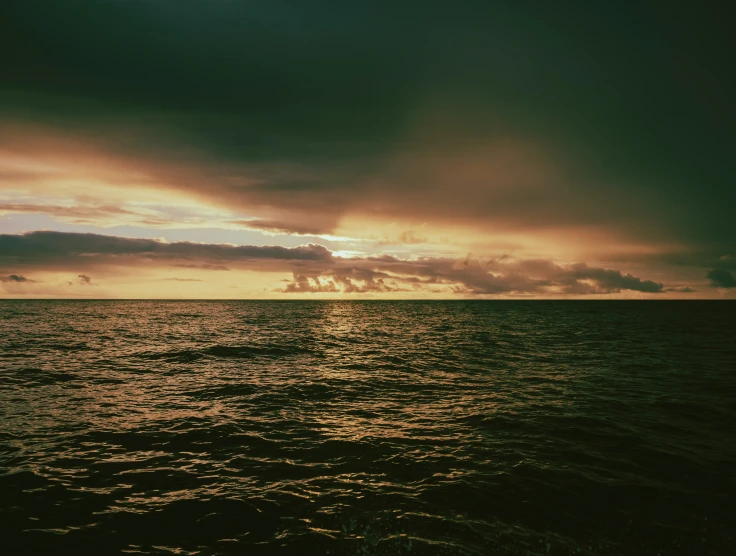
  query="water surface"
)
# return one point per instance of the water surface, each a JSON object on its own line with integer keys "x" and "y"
{"x": 367, "y": 427}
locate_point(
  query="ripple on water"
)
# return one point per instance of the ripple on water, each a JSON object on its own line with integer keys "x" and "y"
{"x": 367, "y": 428}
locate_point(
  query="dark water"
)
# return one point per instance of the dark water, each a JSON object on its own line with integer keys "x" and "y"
{"x": 367, "y": 427}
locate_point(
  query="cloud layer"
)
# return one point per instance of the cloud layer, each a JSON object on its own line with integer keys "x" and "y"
{"x": 314, "y": 268}
{"x": 69, "y": 250}
{"x": 490, "y": 116}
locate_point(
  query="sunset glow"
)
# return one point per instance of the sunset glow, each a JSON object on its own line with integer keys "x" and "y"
{"x": 461, "y": 178}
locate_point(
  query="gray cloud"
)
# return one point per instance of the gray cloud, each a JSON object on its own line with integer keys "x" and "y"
{"x": 84, "y": 279}
{"x": 338, "y": 282}
{"x": 310, "y": 284}
{"x": 613, "y": 280}
{"x": 14, "y": 278}
{"x": 364, "y": 280}
{"x": 721, "y": 278}
{"x": 70, "y": 250}
{"x": 387, "y": 274}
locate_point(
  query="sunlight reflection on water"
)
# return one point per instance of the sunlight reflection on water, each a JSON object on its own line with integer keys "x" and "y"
{"x": 367, "y": 427}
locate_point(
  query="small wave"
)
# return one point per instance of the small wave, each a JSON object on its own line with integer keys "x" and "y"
{"x": 225, "y": 352}
{"x": 305, "y": 428}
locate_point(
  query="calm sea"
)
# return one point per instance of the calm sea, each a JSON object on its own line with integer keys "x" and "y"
{"x": 358, "y": 428}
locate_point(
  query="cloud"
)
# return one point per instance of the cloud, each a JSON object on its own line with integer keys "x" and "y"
{"x": 310, "y": 284}
{"x": 439, "y": 121}
{"x": 315, "y": 269}
{"x": 338, "y": 283}
{"x": 72, "y": 250}
{"x": 721, "y": 278}
{"x": 388, "y": 274}
{"x": 184, "y": 279}
{"x": 14, "y": 278}
{"x": 683, "y": 289}
{"x": 353, "y": 279}
{"x": 612, "y": 280}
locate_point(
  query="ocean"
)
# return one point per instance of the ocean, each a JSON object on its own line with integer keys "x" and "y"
{"x": 368, "y": 427}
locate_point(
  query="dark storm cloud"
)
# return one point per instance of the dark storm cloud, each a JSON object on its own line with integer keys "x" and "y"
{"x": 721, "y": 278}
{"x": 71, "y": 251}
{"x": 14, "y": 278}
{"x": 300, "y": 112}
{"x": 613, "y": 280}
{"x": 65, "y": 249}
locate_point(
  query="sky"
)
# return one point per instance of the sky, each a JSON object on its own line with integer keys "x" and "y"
{"x": 325, "y": 149}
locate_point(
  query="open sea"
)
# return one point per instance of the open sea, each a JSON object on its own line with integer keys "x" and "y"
{"x": 368, "y": 427}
